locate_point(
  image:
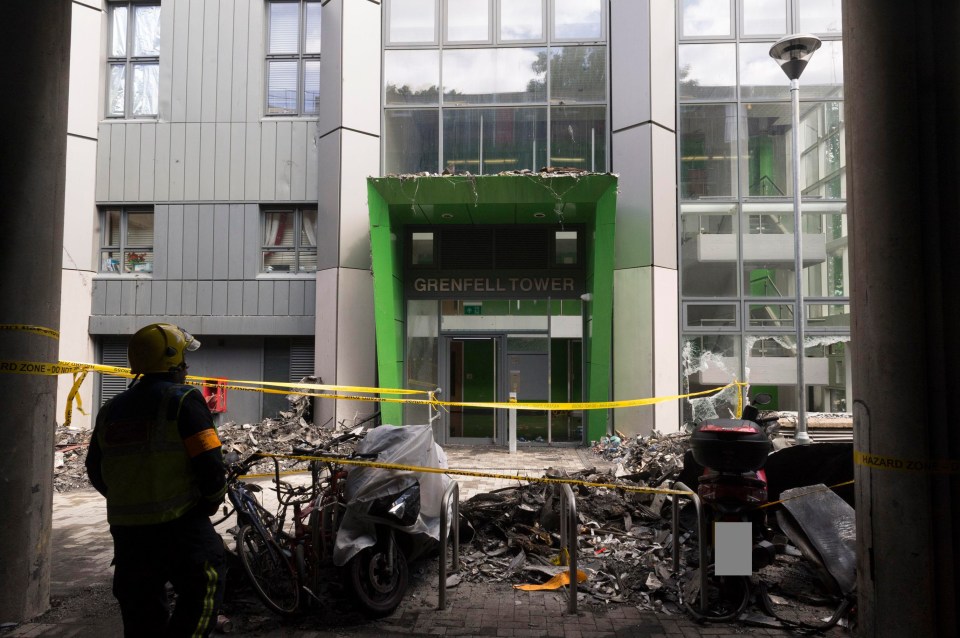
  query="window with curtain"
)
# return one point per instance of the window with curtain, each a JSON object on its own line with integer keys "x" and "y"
{"x": 289, "y": 240}
{"x": 133, "y": 60}
{"x": 126, "y": 240}
{"x": 293, "y": 58}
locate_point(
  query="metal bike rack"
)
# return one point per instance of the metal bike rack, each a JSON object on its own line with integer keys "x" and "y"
{"x": 568, "y": 540}
{"x": 450, "y": 496}
{"x": 702, "y": 532}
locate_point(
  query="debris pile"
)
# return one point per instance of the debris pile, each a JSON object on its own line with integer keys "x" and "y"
{"x": 69, "y": 453}
{"x": 655, "y": 459}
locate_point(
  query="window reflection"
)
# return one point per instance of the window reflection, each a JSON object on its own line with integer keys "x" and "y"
{"x": 707, "y": 71}
{"x": 578, "y": 74}
{"x": 521, "y": 20}
{"x": 764, "y": 17}
{"x": 411, "y": 140}
{"x": 760, "y": 76}
{"x": 705, "y": 17}
{"x": 708, "y": 151}
{"x": 411, "y": 77}
{"x": 708, "y": 249}
{"x": 490, "y": 76}
{"x": 578, "y": 137}
{"x": 412, "y": 21}
{"x": 468, "y": 20}
{"x": 577, "y": 19}
{"x": 488, "y": 141}
{"x": 819, "y": 16}
{"x": 823, "y": 77}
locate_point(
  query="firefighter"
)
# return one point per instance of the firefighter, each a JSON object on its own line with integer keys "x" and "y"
{"x": 156, "y": 457}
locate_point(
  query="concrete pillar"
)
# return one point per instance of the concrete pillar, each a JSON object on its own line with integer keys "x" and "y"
{"x": 35, "y": 39}
{"x": 902, "y": 87}
{"x": 348, "y": 145}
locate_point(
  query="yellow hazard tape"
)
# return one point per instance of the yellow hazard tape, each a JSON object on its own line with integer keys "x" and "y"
{"x": 449, "y": 471}
{"x": 40, "y": 330}
{"x": 932, "y": 466}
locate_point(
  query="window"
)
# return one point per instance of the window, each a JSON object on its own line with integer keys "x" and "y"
{"x": 289, "y": 240}
{"x": 293, "y": 58}
{"x": 133, "y": 60}
{"x": 126, "y": 240}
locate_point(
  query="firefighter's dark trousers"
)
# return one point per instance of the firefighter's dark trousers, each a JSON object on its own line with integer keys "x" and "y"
{"x": 186, "y": 552}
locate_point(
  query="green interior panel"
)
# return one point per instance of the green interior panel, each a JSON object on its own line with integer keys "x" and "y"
{"x": 588, "y": 199}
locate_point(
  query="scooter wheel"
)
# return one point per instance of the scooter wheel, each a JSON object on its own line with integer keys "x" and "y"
{"x": 379, "y": 589}
{"x": 725, "y": 599}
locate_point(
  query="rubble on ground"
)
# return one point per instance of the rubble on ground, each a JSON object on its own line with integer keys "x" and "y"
{"x": 655, "y": 459}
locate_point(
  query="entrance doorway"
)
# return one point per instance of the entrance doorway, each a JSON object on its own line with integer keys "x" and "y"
{"x": 472, "y": 375}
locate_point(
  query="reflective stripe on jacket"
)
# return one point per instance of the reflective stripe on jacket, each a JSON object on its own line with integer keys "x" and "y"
{"x": 146, "y": 465}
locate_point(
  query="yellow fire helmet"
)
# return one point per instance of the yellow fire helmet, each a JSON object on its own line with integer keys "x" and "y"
{"x": 159, "y": 347}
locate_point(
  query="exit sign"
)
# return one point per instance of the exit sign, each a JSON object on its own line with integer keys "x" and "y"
{"x": 472, "y": 309}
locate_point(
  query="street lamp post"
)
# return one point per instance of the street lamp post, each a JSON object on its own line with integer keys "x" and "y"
{"x": 793, "y": 53}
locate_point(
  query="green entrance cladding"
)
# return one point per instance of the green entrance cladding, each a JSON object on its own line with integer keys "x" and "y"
{"x": 582, "y": 198}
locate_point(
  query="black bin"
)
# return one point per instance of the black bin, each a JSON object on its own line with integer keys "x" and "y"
{"x": 730, "y": 445}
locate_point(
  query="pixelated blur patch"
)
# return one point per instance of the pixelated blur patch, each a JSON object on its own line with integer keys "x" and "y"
{"x": 733, "y": 547}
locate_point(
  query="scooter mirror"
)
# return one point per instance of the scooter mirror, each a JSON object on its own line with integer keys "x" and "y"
{"x": 761, "y": 399}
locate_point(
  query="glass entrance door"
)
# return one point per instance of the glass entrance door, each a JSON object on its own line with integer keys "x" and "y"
{"x": 472, "y": 375}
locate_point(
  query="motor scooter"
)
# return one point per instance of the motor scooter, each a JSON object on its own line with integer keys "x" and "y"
{"x": 732, "y": 488}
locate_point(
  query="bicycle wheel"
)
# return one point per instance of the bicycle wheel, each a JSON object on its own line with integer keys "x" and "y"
{"x": 271, "y": 574}
{"x": 726, "y": 598}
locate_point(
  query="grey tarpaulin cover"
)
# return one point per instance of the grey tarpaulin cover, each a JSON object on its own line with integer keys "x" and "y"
{"x": 829, "y": 525}
{"x": 400, "y": 445}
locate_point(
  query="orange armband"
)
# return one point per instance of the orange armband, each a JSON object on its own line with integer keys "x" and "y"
{"x": 201, "y": 442}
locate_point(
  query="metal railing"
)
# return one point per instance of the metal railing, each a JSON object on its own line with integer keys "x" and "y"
{"x": 451, "y": 497}
{"x": 568, "y": 540}
{"x": 701, "y": 534}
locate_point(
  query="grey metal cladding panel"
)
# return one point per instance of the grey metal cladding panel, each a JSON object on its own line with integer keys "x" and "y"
{"x": 224, "y": 59}
{"x": 285, "y": 167}
{"x": 237, "y": 157}
{"x": 281, "y": 297}
{"x": 167, "y": 43}
{"x": 191, "y": 162}
{"x": 208, "y": 157}
{"x": 328, "y": 213}
{"x": 629, "y": 63}
{"x": 205, "y": 298}
{"x": 161, "y": 222}
{"x": 255, "y": 63}
{"x": 180, "y": 51}
{"x": 117, "y": 147}
{"x": 174, "y": 298}
{"x": 205, "y": 241}
{"x": 265, "y": 293}
{"x": 144, "y": 292}
{"x": 211, "y": 37}
{"x": 310, "y": 297}
{"x": 195, "y": 54}
{"x": 131, "y": 163}
{"x": 161, "y": 179}
{"x": 331, "y": 74}
{"x": 256, "y": 326}
{"x": 221, "y": 238}
{"x": 103, "y": 162}
{"x": 113, "y": 297}
{"x": 128, "y": 296}
{"x": 297, "y": 295}
{"x": 148, "y": 154}
{"x": 251, "y": 297}
{"x": 98, "y": 297}
{"x": 252, "y": 172}
{"x": 221, "y": 166}
{"x": 268, "y": 160}
{"x": 235, "y": 298}
{"x": 298, "y": 161}
{"x": 251, "y": 241}
{"x": 174, "y": 253}
{"x": 238, "y": 86}
{"x": 218, "y": 297}
{"x": 311, "y": 170}
{"x": 189, "y": 296}
{"x": 178, "y": 150}
{"x": 191, "y": 241}
{"x": 235, "y": 237}
{"x": 158, "y": 301}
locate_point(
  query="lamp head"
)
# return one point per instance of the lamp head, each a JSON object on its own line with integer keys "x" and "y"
{"x": 793, "y": 53}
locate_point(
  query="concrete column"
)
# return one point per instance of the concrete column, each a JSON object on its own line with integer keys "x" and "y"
{"x": 35, "y": 40}
{"x": 348, "y": 147}
{"x": 902, "y": 87}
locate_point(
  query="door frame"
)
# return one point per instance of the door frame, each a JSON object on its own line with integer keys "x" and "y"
{"x": 500, "y": 418}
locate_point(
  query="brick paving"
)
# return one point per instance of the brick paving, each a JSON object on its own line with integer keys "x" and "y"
{"x": 83, "y": 606}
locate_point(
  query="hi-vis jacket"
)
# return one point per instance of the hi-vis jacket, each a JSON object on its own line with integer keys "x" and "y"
{"x": 155, "y": 454}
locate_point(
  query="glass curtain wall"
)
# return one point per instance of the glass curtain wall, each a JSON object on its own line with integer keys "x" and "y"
{"x": 484, "y": 86}
{"x": 738, "y": 292}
